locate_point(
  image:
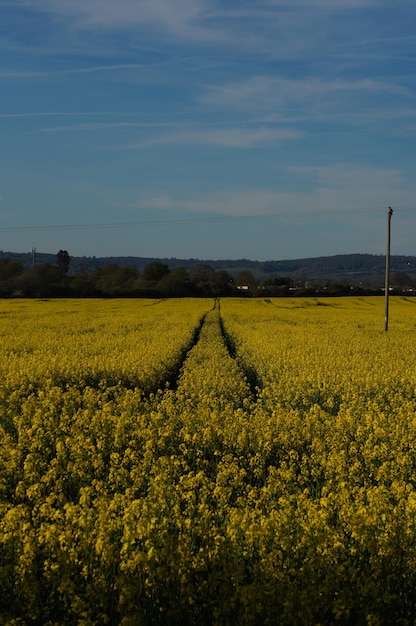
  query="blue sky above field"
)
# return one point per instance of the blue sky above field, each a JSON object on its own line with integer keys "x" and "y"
{"x": 212, "y": 129}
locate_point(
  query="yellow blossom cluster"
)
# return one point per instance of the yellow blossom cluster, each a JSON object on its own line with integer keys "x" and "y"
{"x": 88, "y": 342}
{"x": 271, "y": 481}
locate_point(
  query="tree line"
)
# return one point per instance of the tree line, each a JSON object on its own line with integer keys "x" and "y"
{"x": 155, "y": 280}
{"x": 158, "y": 280}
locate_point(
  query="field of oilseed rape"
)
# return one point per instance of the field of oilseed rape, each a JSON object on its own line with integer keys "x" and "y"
{"x": 196, "y": 461}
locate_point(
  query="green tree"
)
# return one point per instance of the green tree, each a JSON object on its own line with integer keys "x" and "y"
{"x": 246, "y": 279}
{"x": 152, "y": 274}
{"x": 177, "y": 282}
{"x": 223, "y": 284}
{"x": 203, "y": 277}
{"x": 9, "y": 271}
{"x": 401, "y": 279}
{"x": 63, "y": 261}
{"x": 42, "y": 281}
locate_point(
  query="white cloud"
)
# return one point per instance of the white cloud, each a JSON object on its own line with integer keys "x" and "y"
{"x": 251, "y": 135}
{"x": 343, "y": 5}
{"x": 280, "y": 29}
{"x": 22, "y": 75}
{"x": 269, "y": 92}
{"x": 339, "y": 192}
{"x": 56, "y": 114}
{"x": 352, "y": 177}
{"x": 175, "y": 16}
{"x": 361, "y": 102}
{"x": 225, "y": 137}
{"x": 95, "y": 126}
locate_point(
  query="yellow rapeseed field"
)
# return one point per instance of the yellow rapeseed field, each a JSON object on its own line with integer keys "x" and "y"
{"x": 237, "y": 461}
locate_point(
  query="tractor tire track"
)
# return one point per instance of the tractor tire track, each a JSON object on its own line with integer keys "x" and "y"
{"x": 250, "y": 373}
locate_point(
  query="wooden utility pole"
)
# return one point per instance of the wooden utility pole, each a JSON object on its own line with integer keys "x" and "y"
{"x": 33, "y": 257}
{"x": 387, "y": 278}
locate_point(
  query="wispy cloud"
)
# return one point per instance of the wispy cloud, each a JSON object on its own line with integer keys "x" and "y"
{"x": 309, "y": 105}
{"x": 268, "y": 91}
{"x": 225, "y": 137}
{"x": 279, "y": 28}
{"x": 348, "y": 176}
{"x": 249, "y": 133}
{"x": 340, "y": 191}
{"x": 340, "y": 5}
{"x": 179, "y": 17}
{"x": 361, "y": 101}
{"x": 96, "y": 69}
{"x": 98, "y": 126}
{"x": 56, "y": 114}
{"x": 22, "y": 74}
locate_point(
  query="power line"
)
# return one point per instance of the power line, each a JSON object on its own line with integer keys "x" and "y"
{"x": 190, "y": 220}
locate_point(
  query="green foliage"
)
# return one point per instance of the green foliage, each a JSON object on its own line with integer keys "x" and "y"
{"x": 63, "y": 261}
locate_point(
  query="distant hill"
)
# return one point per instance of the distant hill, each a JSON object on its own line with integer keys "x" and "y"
{"x": 354, "y": 268}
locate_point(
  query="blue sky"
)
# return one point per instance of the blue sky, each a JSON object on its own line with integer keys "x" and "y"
{"x": 212, "y": 129}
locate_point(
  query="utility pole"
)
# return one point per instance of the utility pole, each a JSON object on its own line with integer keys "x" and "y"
{"x": 387, "y": 278}
{"x": 33, "y": 257}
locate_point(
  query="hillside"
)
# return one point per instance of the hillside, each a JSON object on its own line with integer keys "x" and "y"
{"x": 354, "y": 268}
